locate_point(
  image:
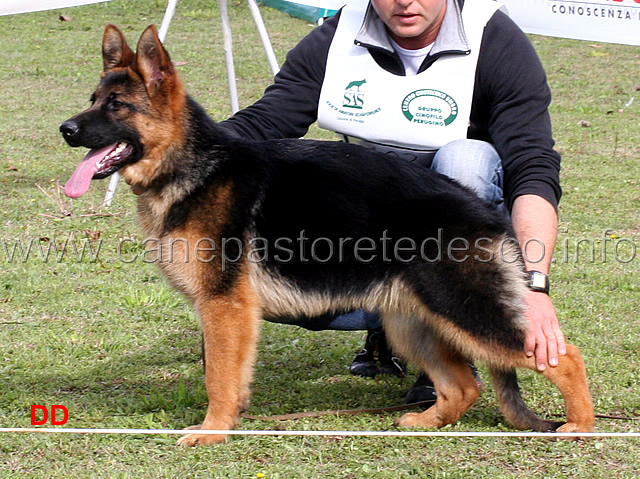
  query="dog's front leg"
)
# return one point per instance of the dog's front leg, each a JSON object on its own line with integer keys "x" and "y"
{"x": 230, "y": 332}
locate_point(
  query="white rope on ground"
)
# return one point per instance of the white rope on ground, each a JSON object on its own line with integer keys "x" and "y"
{"x": 183, "y": 432}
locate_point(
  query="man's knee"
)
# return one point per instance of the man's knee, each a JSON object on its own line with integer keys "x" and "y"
{"x": 473, "y": 163}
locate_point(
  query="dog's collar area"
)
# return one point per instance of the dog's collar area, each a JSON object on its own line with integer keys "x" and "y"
{"x": 138, "y": 190}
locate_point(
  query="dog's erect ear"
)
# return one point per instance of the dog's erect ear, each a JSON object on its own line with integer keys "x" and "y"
{"x": 115, "y": 50}
{"x": 152, "y": 61}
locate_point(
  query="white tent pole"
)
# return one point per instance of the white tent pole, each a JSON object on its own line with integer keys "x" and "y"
{"x": 228, "y": 55}
{"x": 264, "y": 36}
{"x": 166, "y": 21}
{"x": 111, "y": 189}
{"x": 162, "y": 34}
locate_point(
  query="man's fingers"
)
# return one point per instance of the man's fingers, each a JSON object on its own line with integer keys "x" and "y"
{"x": 552, "y": 352}
{"x": 541, "y": 353}
{"x": 562, "y": 344}
{"x": 530, "y": 345}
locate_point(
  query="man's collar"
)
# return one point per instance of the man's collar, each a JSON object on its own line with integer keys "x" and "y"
{"x": 451, "y": 37}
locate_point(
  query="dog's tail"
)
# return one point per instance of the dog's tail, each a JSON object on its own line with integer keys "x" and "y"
{"x": 513, "y": 406}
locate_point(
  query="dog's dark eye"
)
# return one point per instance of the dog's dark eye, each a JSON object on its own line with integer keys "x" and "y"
{"x": 116, "y": 105}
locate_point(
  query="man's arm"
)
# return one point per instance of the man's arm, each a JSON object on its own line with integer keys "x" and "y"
{"x": 535, "y": 222}
{"x": 515, "y": 97}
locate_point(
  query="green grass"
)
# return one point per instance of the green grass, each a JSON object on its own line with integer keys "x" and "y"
{"x": 113, "y": 343}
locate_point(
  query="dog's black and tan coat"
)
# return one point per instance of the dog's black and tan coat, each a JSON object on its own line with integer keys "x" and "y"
{"x": 339, "y": 228}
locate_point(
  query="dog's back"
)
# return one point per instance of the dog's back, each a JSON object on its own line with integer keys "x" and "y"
{"x": 339, "y": 221}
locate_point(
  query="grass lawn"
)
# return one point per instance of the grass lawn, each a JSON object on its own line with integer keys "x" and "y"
{"x": 104, "y": 335}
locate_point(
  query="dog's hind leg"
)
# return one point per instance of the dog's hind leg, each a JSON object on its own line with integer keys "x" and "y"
{"x": 230, "y": 330}
{"x": 569, "y": 376}
{"x": 513, "y": 407}
{"x": 456, "y": 387}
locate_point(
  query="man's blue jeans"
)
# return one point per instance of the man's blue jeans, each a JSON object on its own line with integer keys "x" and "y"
{"x": 473, "y": 163}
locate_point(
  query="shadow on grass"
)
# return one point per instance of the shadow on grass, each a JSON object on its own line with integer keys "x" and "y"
{"x": 118, "y": 388}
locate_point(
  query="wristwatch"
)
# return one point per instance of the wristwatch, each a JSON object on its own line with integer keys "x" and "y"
{"x": 538, "y": 282}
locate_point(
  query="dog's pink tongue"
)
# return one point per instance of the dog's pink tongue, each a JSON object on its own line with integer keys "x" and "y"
{"x": 80, "y": 180}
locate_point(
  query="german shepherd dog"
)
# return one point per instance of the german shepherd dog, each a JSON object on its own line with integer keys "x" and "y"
{"x": 297, "y": 228}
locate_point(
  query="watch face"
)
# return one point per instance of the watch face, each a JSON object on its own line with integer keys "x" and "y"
{"x": 539, "y": 281}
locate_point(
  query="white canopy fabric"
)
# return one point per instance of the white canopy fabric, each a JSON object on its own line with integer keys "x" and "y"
{"x": 314, "y": 11}
{"x": 594, "y": 20}
{"x": 12, "y": 7}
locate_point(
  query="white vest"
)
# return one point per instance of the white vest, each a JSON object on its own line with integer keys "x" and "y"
{"x": 421, "y": 112}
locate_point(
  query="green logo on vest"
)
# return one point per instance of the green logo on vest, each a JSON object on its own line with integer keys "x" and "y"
{"x": 429, "y": 107}
{"x": 354, "y": 97}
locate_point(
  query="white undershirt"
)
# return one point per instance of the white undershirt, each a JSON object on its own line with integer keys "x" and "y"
{"x": 412, "y": 59}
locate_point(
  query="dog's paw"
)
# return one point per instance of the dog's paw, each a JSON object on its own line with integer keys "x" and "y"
{"x": 201, "y": 440}
{"x": 408, "y": 420}
{"x": 192, "y": 440}
{"x": 574, "y": 427}
{"x": 423, "y": 419}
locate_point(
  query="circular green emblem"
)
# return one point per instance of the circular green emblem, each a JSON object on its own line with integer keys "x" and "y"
{"x": 430, "y": 107}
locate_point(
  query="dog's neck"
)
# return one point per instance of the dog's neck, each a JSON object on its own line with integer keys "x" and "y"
{"x": 194, "y": 166}
{"x": 191, "y": 161}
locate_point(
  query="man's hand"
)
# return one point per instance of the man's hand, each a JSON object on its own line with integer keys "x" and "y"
{"x": 544, "y": 338}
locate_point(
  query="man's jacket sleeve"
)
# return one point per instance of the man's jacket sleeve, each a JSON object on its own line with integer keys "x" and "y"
{"x": 512, "y": 104}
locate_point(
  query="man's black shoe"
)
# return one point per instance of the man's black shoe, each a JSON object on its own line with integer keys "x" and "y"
{"x": 365, "y": 362}
{"x": 390, "y": 364}
{"x": 422, "y": 390}
{"x": 393, "y": 366}
{"x": 377, "y": 358}
{"x": 476, "y": 376}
